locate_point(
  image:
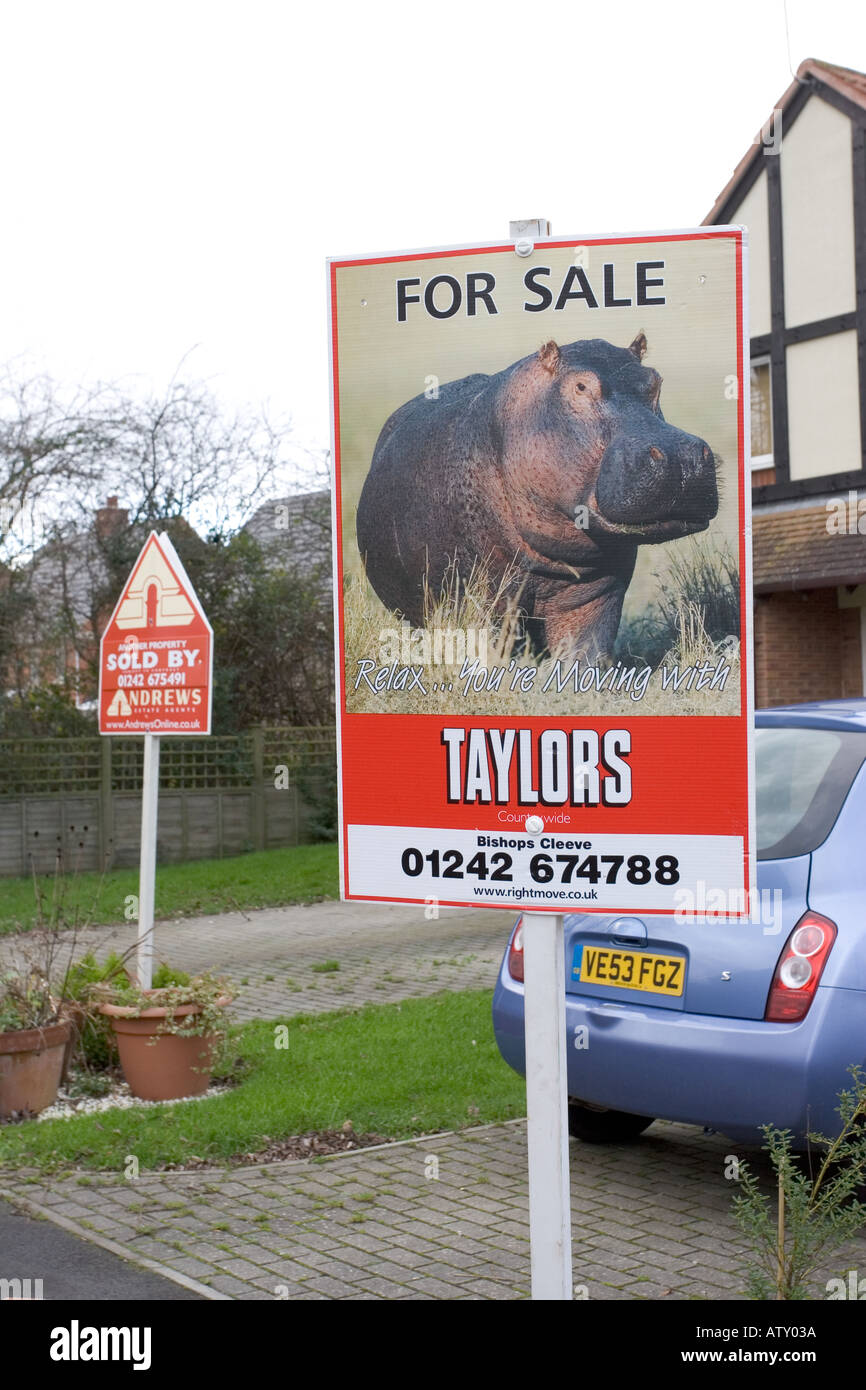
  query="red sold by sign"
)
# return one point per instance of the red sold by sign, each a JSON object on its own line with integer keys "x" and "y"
{"x": 156, "y": 655}
{"x": 542, "y": 574}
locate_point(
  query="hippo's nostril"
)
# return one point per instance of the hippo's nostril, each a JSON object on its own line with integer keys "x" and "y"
{"x": 707, "y": 454}
{"x": 656, "y": 454}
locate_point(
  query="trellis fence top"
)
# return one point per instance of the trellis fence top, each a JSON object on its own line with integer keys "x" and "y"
{"x": 54, "y": 766}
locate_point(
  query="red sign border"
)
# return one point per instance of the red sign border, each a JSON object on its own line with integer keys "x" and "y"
{"x": 739, "y": 235}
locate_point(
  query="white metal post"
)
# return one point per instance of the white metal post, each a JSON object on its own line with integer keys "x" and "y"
{"x": 547, "y": 1105}
{"x": 147, "y": 869}
{"x": 544, "y": 1025}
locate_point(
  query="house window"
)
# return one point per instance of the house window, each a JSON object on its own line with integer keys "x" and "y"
{"x": 762, "y": 413}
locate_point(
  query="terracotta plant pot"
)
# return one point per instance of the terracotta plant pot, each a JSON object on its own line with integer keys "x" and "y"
{"x": 169, "y": 1068}
{"x": 30, "y": 1064}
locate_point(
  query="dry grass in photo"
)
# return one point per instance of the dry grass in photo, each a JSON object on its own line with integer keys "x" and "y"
{"x": 694, "y": 620}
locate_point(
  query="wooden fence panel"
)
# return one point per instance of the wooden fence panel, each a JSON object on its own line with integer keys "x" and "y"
{"x": 12, "y": 837}
{"x": 123, "y": 851}
{"x": 238, "y": 821}
{"x": 55, "y": 827}
{"x": 218, "y": 797}
{"x": 281, "y": 816}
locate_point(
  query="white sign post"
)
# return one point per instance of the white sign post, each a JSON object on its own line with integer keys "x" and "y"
{"x": 547, "y": 1105}
{"x": 546, "y": 1064}
{"x": 147, "y": 864}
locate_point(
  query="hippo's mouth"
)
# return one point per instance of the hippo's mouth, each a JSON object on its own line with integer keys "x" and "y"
{"x": 685, "y": 521}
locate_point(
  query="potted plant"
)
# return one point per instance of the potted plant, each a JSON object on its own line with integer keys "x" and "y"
{"x": 168, "y": 1037}
{"x": 40, "y": 1014}
{"x": 33, "y": 1038}
{"x": 91, "y": 1045}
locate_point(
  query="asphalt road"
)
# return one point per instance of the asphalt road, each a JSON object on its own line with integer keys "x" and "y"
{"x": 72, "y": 1269}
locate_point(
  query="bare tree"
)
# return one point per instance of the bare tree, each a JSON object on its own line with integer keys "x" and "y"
{"x": 179, "y": 453}
{"x": 51, "y": 443}
{"x": 177, "y": 461}
{"x": 183, "y": 455}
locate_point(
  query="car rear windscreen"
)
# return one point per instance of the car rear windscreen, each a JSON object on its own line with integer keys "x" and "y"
{"x": 802, "y": 777}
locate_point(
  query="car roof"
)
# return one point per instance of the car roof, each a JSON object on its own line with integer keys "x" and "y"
{"x": 818, "y": 714}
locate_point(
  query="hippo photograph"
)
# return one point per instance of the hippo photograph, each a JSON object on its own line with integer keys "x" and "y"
{"x": 546, "y": 477}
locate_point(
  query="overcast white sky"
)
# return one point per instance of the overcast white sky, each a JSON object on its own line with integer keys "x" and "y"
{"x": 175, "y": 173}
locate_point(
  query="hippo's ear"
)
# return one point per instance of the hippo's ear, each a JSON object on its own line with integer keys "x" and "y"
{"x": 638, "y": 347}
{"x": 548, "y": 356}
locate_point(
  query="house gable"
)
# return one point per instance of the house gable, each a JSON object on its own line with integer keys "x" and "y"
{"x": 801, "y": 190}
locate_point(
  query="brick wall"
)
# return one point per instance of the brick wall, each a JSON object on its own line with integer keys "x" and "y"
{"x": 806, "y": 648}
{"x": 763, "y": 477}
{"x": 851, "y": 654}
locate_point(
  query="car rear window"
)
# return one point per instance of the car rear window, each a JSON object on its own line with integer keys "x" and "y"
{"x": 802, "y": 777}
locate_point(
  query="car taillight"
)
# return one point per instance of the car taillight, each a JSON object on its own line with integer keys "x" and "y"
{"x": 799, "y": 969}
{"x": 515, "y": 953}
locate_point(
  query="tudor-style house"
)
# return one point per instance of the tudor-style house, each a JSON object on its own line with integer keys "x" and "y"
{"x": 801, "y": 192}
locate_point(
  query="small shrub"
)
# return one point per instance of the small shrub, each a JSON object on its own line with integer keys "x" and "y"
{"x": 87, "y": 971}
{"x": 88, "y": 1084}
{"x": 165, "y": 975}
{"x": 95, "y": 1049}
{"x": 26, "y": 1000}
{"x": 792, "y": 1232}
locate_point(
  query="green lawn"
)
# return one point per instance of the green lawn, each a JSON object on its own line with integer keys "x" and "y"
{"x": 392, "y": 1069}
{"x": 268, "y": 878}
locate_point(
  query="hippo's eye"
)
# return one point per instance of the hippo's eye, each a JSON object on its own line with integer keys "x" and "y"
{"x": 586, "y": 385}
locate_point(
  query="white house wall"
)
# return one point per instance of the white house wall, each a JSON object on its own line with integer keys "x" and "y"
{"x": 823, "y": 406}
{"x": 753, "y": 213}
{"x": 817, "y": 219}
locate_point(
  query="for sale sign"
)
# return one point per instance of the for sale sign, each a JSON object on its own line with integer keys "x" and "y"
{"x": 156, "y": 655}
{"x": 543, "y": 574}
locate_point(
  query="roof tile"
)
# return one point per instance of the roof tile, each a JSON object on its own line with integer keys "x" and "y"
{"x": 808, "y": 549}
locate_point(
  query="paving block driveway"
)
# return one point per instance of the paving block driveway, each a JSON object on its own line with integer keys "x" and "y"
{"x": 437, "y": 1218}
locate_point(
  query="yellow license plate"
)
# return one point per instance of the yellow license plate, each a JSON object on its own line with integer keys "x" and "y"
{"x": 600, "y": 965}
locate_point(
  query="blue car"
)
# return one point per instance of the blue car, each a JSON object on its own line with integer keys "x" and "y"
{"x": 746, "y": 1023}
